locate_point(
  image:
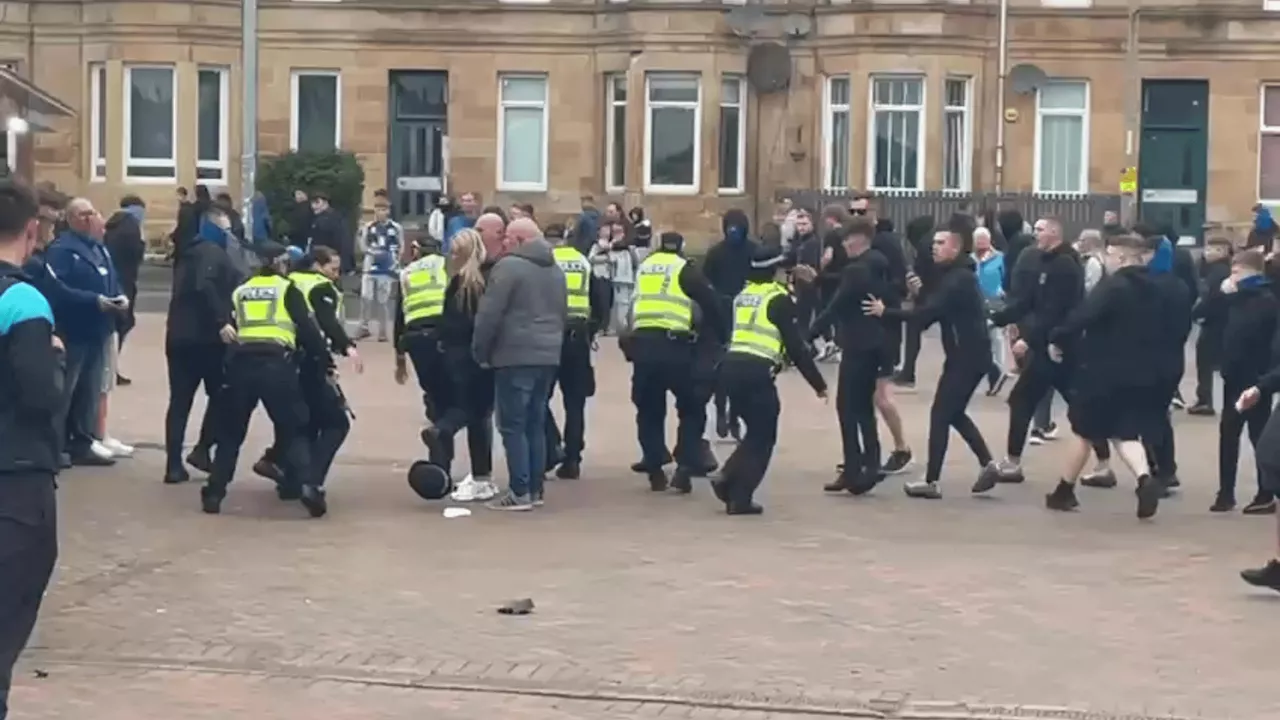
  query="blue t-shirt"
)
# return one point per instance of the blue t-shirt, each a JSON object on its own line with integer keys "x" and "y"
{"x": 991, "y": 275}
{"x": 21, "y": 303}
{"x": 452, "y": 227}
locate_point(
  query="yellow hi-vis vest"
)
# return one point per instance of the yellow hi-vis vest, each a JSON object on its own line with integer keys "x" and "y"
{"x": 753, "y": 332}
{"x": 308, "y": 281}
{"x": 659, "y": 303}
{"x": 577, "y": 272}
{"x": 261, "y": 316}
{"x": 422, "y": 287}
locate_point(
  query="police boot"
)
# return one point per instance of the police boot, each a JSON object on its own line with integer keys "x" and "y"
{"x": 707, "y": 462}
{"x": 682, "y": 480}
{"x": 211, "y": 500}
{"x": 569, "y": 470}
{"x": 199, "y": 459}
{"x": 288, "y": 491}
{"x": 313, "y": 499}
{"x": 639, "y": 466}
{"x": 264, "y": 467}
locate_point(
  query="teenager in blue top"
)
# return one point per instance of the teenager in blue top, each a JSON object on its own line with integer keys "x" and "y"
{"x": 381, "y": 241}
{"x": 991, "y": 273}
{"x": 470, "y": 205}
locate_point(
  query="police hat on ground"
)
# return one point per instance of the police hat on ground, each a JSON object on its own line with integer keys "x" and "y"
{"x": 671, "y": 242}
{"x": 429, "y": 482}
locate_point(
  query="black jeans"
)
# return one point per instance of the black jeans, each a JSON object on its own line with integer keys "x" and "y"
{"x": 911, "y": 349}
{"x": 577, "y": 380}
{"x": 1230, "y": 425}
{"x": 1159, "y": 443}
{"x": 470, "y": 407}
{"x": 756, "y": 398}
{"x": 950, "y": 410}
{"x": 28, "y": 552}
{"x": 191, "y": 366}
{"x": 1206, "y": 365}
{"x": 1040, "y": 377}
{"x": 856, "y": 409}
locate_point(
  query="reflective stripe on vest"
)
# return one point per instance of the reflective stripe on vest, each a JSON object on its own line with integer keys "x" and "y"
{"x": 659, "y": 302}
{"x": 753, "y": 332}
{"x": 422, "y": 287}
{"x": 261, "y": 316}
{"x": 576, "y": 271}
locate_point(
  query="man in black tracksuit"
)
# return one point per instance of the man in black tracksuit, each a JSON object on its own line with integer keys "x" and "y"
{"x": 864, "y": 354}
{"x": 1211, "y": 313}
{"x": 959, "y": 308}
{"x": 1169, "y": 368}
{"x": 1058, "y": 290}
{"x": 1249, "y": 329}
{"x": 919, "y": 234}
{"x": 726, "y": 266}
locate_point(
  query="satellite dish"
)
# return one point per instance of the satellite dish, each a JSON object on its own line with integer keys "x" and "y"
{"x": 769, "y": 68}
{"x": 796, "y": 25}
{"x": 744, "y": 20}
{"x": 1026, "y": 78}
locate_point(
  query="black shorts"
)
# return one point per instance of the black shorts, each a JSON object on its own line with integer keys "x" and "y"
{"x": 1115, "y": 414}
{"x": 893, "y": 348}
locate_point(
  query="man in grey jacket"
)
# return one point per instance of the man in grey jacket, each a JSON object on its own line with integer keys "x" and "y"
{"x": 519, "y": 328}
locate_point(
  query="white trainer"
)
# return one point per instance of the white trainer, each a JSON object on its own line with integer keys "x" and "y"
{"x": 117, "y": 448}
{"x": 102, "y": 452}
{"x": 485, "y": 489}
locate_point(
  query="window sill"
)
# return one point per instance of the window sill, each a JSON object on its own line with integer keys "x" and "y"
{"x": 98, "y": 179}
{"x": 676, "y": 190}
{"x": 891, "y": 191}
{"x": 522, "y": 187}
{"x": 150, "y": 180}
{"x": 614, "y": 190}
{"x": 1060, "y": 193}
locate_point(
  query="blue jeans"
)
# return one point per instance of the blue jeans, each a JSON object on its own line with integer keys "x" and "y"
{"x": 83, "y": 388}
{"x": 521, "y": 401}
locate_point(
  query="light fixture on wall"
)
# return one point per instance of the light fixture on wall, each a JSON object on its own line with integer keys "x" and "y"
{"x": 17, "y": 125}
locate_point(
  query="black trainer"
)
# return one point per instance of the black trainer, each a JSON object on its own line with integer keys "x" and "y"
{"x": 1223, "y": 503}
{"x": 657, "y": 480}
{"x": 314, "y": 501}
{"x": 1149, "y": 492}
{"x": 899, "y": 461}
{"x": 865, "y": 482}
{"x": 682, "y": 480}
{"x": 269, "y": 470}
{"x": 1063, "y": 497}
{"x": 744, "y": 509}
{"x": 199, "y": 459}
{"x": 176, "y": 476}
{"x": 1260, "y": 506}
{"x": 569, "y": 470}
{"x": 1267, "y": 576}
{"x": 1201, "y": 410}
{"x": 210, "y": 502}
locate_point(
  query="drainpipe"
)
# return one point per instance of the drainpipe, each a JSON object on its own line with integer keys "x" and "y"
{"x": 1002, "y": 73}
{"x": 249, "y": 108}
{"x": 1132, "y": 111}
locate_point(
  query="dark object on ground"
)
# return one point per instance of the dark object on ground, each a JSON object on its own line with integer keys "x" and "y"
{"x": 523, "y": 606}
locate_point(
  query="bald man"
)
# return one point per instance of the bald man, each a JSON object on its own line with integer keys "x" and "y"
{"x": 492, "y": 228}
{"x": 519, "y": 328}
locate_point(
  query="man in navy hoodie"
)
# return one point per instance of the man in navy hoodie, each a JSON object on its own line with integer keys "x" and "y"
{"x": 85, "y": 306}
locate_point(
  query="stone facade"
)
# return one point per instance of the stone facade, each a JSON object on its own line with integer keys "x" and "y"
{"x": 577, "y": 42}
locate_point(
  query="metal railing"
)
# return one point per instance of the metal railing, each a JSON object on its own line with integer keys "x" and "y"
{"x": 1076, "y": 212}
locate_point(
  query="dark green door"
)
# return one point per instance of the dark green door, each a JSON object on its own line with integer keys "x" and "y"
{"x": 416, "y": 151}
{"x": 1173, "y": 157}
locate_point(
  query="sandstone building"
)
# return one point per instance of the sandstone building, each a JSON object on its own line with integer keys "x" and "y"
{"x": 648, "y": 100}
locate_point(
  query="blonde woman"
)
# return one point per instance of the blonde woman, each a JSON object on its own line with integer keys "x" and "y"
{"x": 469, "y": 401}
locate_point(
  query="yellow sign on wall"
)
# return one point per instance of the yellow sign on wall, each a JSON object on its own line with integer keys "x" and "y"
{"x": 1129, "y": 181}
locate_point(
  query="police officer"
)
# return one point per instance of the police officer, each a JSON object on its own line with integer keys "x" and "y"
{"x": 765, "y": 331}
{"x": 576, "y": 376}
{"x": 661, "y": 343}
{"x": 273, "y": 323}
{"x": 30, "y": 393}
{"x": 421, "y": 292}
{"x": 328, "y": 424}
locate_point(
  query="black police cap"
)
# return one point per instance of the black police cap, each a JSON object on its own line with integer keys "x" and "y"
{"x": 269, "y": 250}
{"x": 671, "y": 241}
{"x": 429, "y": 481}
{"x": 766, "y": 257}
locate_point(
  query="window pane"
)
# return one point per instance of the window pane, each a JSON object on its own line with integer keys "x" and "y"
{"x": 151, "y": 114}
{"x": 1269, "y": 165}
{"x": 317, "y": 113}
{"x": 101, "y": 99}
{"x": 730, "y": 91}
{"x": 953, "y": 151}
{"x": 839, "y": 160}
{"x": 671, "y": 146}
{"x": 210, "y": 122}
{"x": 618, "y": 86}
{"x": 1061, "y": 151}
{"x": 1271, "y": 107}
{"x": 421, "y": 95}
{"x": 522, "y": 145}
{"x": 730, "y": 129}
{"x": 673, "y": 88}
{"x": 524, "y": 90}
{"x": 1063, "y": 96}
{"x": 956, "y": 93}
{"x": 840, "y": 91}
{"x": 897, "y": 133}
{"x": 618, "y": 157}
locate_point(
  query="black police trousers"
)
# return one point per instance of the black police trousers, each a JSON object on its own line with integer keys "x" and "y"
{"x": 457, "y": 393}
{"x": 28, "y": 551}
{"x": 754, "y": 397}
{"x": 327, "y": 423}
{"x": 577, "y": 381}
{"x": 272, "y": 379}
{"x": 650, "y": 383}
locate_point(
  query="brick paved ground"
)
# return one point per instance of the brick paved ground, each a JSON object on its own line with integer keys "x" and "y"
{"x": 829, "y": 604}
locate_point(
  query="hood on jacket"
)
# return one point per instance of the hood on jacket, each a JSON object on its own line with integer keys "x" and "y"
{"x": 1262, "y": 220}
{"x": 210, "y": 232}
{"x": 735, "y": 225}
{"x": 1162, "y": 262}
{"x": 919, "y": 229}
{"x": 1010, "y": 222}
{"x": 1134, "y": 275}
{"x": 537, "y": 251}
{"x": 119, "y": 218}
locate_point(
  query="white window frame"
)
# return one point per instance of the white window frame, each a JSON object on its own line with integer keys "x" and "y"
{"x": 649, "y": 107}
{"x": 966, "y": 134}
{"x": 611, "y": 133}
{"x": 1264, "y": 130}
{"x": 293, "y": 104}
{"x": 1041, "y": 113}
{"x": 545, "y": 106}
{"x": 1271, "y": 5}
{"x": 921, "y": 111}
{"x": 11, "y": 139}
{"x": 740, "y": 182}
{"x": 97, "y": 108}
{"x": 829, "y": 112}
{"x": 129, "y": 160}
{"x": 1070, "y": 4}
{"x": 224, "y": 116}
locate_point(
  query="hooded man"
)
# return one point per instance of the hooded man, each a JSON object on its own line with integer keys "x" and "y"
{"x": 726, "y": 267}
{"x": 128, "y": 248}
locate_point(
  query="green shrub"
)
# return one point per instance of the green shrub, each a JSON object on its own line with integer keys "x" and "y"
{"x": 337, "y": 174}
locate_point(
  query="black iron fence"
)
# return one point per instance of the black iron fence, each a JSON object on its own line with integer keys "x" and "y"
{"x": 1076, "y": 212}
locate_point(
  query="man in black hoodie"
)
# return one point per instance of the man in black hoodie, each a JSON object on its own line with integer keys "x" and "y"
{"x": 1116, "y": 334}
{"x": 920, "y": 239}
{"x": 1059, "y": 288}
{"x": 958, "y": 306}
{"x": 725, "y": 267}
{"x": 1171, "y": 364}
{"x": 128, "y": 248}
{"x": 1211, "y": 313}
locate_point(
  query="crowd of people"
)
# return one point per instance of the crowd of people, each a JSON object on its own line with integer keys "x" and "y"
{"x": 493, "y": 313}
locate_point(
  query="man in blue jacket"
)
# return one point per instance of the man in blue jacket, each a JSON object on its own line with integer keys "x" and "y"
{"x": 85, "y": 304}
